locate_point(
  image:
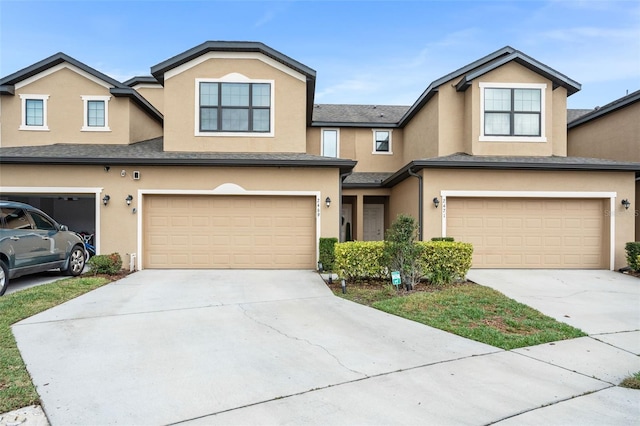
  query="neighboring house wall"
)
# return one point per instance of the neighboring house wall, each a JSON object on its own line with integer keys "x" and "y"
{"x": 404, "y": 199}
{"x": 288, "y": 106}
{"x": 65, "y": 112}
{"x": 437, "y": 180}
{"x": 614, "y": 136}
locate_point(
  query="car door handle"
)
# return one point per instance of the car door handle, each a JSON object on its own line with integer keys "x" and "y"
{"x": 14, "y": 238}
{"x": 45, "y": 238}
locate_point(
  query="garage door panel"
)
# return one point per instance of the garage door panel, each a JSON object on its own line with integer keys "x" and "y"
{"x": 530, "y": 233}
{"x": 229, "y": 231}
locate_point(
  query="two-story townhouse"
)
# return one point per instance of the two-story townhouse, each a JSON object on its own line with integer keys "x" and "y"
{"x": 248, "y": 173}
{"x": 613, "y": 132}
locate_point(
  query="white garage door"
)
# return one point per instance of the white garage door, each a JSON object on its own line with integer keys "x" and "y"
{"x": 531, "y": 233}
{"x": 237, "y": 232}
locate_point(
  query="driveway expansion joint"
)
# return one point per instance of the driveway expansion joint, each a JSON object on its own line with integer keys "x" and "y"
{"x": 246, "y": 314}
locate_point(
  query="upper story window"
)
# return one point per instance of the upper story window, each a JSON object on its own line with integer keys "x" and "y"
{"x": 96, "y": 113}
{"x": 234, "y": 108}
{"x": 382, "y": 142}
{"x": 330, "y": 143}
{"x": 34, "y": 112}
{"x": 512, "y": 112}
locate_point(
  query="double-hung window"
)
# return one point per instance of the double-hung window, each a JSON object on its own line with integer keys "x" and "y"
{"x": 512, "y": 112}
{"x": 330, "y": 143}
{"x": 34, "y": 112}
{"x": 382, "y": 142}
{"x": 96, "y": 113}
{"x": 234, "y": 107}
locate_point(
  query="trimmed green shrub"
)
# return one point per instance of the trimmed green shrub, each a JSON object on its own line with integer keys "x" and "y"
{"x": 400, "y": 251}
{"x": 357, "y": 260}
{"x": 450, "y": 239}
{"x": 445, "y": 262}
{"x": 327, "y": 253}
{"x": 109, "y": 264}
{"x": 633, "y": 255}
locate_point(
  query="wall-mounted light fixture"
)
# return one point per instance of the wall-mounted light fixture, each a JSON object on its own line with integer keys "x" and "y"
{"x": 105, "y": 200}
{"x": 129, "y": 199}
{"x": 436, "y": 202}
{"x": 626, "y": 203}
{"x": 107, "y": 168}
{"x": 328, "y": 201}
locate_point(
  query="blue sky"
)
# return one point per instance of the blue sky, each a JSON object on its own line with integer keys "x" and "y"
{"x": 364, "y": 52}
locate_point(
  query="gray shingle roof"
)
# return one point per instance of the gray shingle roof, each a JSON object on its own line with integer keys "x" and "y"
{"x": 364, "y": 179}
{"x": 466, "y": 161}
{"x": 353, "y": 115}
{"x": 151, "y": 153}
{"x": 573, "y": 114}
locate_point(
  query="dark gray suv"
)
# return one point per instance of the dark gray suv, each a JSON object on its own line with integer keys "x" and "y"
{"x": 30, "y": 242}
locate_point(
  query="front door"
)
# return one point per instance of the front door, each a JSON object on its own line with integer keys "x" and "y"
{"x": 346, "y": 223}
{"x": 373, "y": 222}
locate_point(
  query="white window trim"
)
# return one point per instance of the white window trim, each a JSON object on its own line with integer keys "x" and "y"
{"x": 337, "y": 130}
{"x": 390, "y": 152}
{"x": 23, "y": 122}
{"x": 85, "y": 123}
{"x": 444, "y": 194}
{"x": 543, "y": 89}
{"x": 234, "y": 78}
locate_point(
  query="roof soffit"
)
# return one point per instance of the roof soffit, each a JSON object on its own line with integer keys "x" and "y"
{"x": 233, "y": 55}
{"x": 64, "y": 65}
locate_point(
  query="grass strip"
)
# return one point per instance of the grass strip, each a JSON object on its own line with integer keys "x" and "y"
{"x": 472, "y": 311}
{"x": 632, "y": 382}
{"x": 16, "y": 388}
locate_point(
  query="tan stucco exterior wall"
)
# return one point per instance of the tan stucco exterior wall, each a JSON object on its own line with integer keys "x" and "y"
{"x": 453, "y": 118}
{"x": 288, "y": 107}
{"x": 421, "y": 133}
{"x": 65, "y": 114}
{"x": 119, "y": 226}
{"x": 437, "y": 180}
{"x": 142, "y": 127}
{"x": 404, "y": 199}
{"x": 153, "y": 94}
{"x": 615, "y": 136}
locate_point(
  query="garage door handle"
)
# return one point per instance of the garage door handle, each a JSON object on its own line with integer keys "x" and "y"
{"x": 45, "y": 238}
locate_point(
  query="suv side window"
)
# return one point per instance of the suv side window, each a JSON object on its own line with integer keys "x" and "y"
{"x": 13, "y": 218}
{"x": 42, "y": 222}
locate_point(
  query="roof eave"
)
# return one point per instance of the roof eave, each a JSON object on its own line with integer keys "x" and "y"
{"x": 354, "y": 124}
{"x": 7, "y": 89}
{"x": 607, "y": 109}
{"x": 138, "y": 100}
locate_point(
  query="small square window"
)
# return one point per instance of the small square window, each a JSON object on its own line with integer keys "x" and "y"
{"x": 34, "y": 112}
{"x": 96, "y": 113}
{"x": 382, "y": 142}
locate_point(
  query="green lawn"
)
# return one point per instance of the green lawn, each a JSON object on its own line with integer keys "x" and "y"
{"x": 16, "y": 389}
{"x": 468, "y": 310}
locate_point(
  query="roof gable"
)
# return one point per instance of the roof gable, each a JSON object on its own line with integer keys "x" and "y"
{"x": 61, "y": 60}
{"x": 484, "y": 65}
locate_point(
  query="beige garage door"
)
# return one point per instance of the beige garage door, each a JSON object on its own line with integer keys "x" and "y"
{"x": 237, "y": 232}
{"x": 531, "y": 233}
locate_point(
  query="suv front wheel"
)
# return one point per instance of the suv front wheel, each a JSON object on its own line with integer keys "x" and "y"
{"x": 4, "y": 278}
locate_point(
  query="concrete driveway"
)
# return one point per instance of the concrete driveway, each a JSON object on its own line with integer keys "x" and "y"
{"x": 276, "y": 347}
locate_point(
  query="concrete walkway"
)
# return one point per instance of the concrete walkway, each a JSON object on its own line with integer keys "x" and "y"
{"x": 275, "y": 347}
